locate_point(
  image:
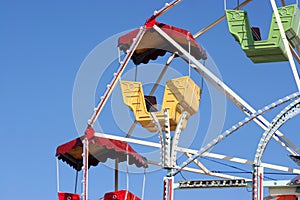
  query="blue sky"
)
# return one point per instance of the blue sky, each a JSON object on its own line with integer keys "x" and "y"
{"x": 45, "y": 43}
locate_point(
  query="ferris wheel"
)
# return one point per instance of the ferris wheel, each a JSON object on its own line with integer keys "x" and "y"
{"x": 181, "y": 100}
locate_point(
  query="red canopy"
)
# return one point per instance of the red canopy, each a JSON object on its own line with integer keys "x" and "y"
{"x": 99, "y": 150}
{"x": 153, "y": 44}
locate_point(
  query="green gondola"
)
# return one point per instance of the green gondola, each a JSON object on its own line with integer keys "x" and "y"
{"x": 272, "y": 49}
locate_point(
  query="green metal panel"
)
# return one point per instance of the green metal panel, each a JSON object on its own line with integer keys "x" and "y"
{"x": 272, "y": 49}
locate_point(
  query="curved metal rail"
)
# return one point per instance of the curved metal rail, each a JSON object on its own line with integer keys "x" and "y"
{"x": 288, "y": 113}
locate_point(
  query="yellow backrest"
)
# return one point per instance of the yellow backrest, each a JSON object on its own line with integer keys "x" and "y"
{"x": 181, "y": 94}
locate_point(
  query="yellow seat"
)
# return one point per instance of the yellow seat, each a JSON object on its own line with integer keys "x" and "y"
{"x": 181, "y": 94}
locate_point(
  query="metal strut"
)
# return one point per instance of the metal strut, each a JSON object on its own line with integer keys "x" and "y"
{"x": 85, "y": 167}
{"x": 286, "y": 44}
{"x": 168, "y": 188}
{"x": 288, "y": 113}
{"x": 257, "y": 183}
{"x": 176, "y": 137}
{"x": 116, "y": 77}
{"x": 193, "y": 151}
{"x": 162, "y": 139}
{"x": 167, "y": 145}
{"x": 217, "y": 21}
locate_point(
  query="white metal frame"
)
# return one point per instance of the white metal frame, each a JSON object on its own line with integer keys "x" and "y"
{"x": 193, "y": 152}
{"x": 176, "y": 137}
{"x": 287, "y": 113}
{"x": 168, "y": 193}
{"x": 286, "y": 44}
{"x": 57, "y": 175}
{"x": 167, "y": 145}
{"x": 85, "y": 167}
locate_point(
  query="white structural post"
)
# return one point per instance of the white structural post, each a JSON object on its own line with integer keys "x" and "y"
{"x": 57, "y": 175}
{"x": 175, "y": 139}
{"x": 162, "y": 138}
{"x": 286, "y": 44}
{"x": 193, "y": 151}
{"x": 168, "y": 188}
{"x": 167, "y": 146}
{"x": 257, "y": 183}
{"x": 85, "y": 155}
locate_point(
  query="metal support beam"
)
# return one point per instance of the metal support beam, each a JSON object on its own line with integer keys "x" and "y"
{"x": 193, "y": 151}
{"x": 85, "y": 167}
{"x": 176, "y": 137}
{"x": 257, "y": 183}
{"x": 162, "y": 138}
{"x": 57, "y": 175}
{"x": 166, "y": 152}
{"x": 201, "y": 184}
{"x": 286, "y": 114}
{"x": 199, "y": 171}
{"x": 116, "y": 174}
{"x": 168, "y": 188}
{"x": 198, "y": 163}
{"x": 217, "y": 21}
{"x": 116, "y": 77}
{"x": 277, "y": 185}
{"x": 295, "y": 54}
{"x": 286, "y": 44}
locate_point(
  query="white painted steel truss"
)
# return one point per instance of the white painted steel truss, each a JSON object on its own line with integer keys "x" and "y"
{"x": 190, "y": 152}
